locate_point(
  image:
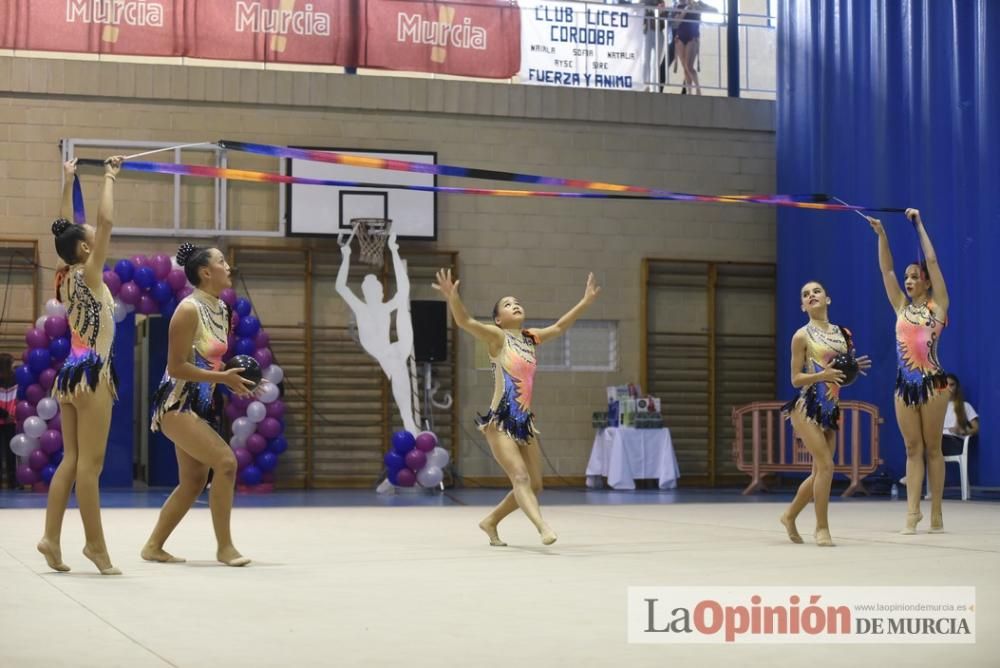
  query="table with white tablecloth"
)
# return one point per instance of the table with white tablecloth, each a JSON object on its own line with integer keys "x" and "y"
{"x": 625, "y": 454}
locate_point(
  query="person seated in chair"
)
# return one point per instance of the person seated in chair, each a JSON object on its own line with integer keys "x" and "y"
{"x": 960, "y": 420}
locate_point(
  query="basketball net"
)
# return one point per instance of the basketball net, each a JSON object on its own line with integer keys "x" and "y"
{"x": 372, "y": 234}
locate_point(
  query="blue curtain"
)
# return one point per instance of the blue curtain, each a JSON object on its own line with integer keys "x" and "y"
{"x": 895, "y": 103}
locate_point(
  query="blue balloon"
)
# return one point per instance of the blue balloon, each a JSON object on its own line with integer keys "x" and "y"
{"x": 394, "y": 461}
{"x": 277, "y": 445}
{"x": 162, "y": 292}
{"x": 144, "y": 277}
{"x": 59, "y": 348}
{"x": 39, "y": 359}
{"x": 394, "y": 476}
{"x": 47, "y": 472}
{"x": 242, "y": 307}
{"x": 24, "y": 376}
{"x": 55, "y": 458}
{"x": 167, "y": 310}
{"x": 125, "y": 270}
{"x": 246, "y": 347}
{"x": 403, "y": 442}
{"x": 267, "y": 461}
{"x": 248, "y": 327}
{"x": 251, "y": 475}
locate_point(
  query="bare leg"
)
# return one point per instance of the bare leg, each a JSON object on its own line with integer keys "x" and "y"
{"x": 532, "y": 455}
{"x": 508, "y": 455}
{"x": 680, "y": 55}
{"x": 932, "y": 424}
{"x": 59, "y": 490}
{"x": 196, "y": 438}
{"x": 691, "y": 55}
{"x": 818, "y": 443}
{"x": 908, "y": 419}
{"x": 94, "y": 410}
{"x": 193, "y": 475}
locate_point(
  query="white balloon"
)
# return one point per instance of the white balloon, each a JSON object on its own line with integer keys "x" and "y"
{"x": 243, "y": 427}
{"x": 47, "y": 408}
{"x": 121, "y": 310}
{"x": 237, "y": 442}
{"x": 23, "y": 445}
{"x": 267, "y": 392}
{"x": 438, "y": 457}
{"x": 34, "y": 427}
{"x": 256, "y": 411}
{"x": 430, "y": 476}
{"x": 40, "y": 323}
{"x": 129, "y": 308}
{"x": 274, "y": 374}
{"x": 54, "y": 307}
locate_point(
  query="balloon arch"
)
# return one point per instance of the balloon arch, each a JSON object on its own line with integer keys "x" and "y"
{"x": 147, "y": 285}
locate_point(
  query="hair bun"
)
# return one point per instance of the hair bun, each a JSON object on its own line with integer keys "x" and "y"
{"x": 185, "y": 251}
{"x": 60, "y": 226}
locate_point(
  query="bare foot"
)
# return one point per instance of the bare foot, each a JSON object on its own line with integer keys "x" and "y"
{"x": 548, "y": 535}
{"x": 793, "y": 533}
{"x": 823, "y": 538}
{"x": 101, "y": 560}
{"x": 491, "y": 530}
{"x": 158, "y": 554}
{"x": 912, "y": 519}
{"x": 230, "y": 556}
{"x": 53, "y": 555}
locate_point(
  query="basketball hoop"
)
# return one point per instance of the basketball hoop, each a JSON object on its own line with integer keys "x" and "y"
{"x": 372, "y": 234}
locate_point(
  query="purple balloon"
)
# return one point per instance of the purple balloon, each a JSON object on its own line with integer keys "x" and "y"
{"x": 59, "y": 348}
{"x": 24, "y": 410}
{"x": 26, "y": 475}
{"x": 47, "y": 379}
{"x": 39, "y": 487}
{"x": 113, "y": 281}
{"x": 46, "y": 473}
{"x": 256, "y": 443}
{"x": 35, "y": 393}
{"x": 140, "y": 261}
{"x": 269, "y": 428}
{"x": 51, "y": 441}
{"x": 130, "y": 293}
{"x": 262, "y": 340}
{"x": 276, "y": 409}
{"x": 229, "y": 296}
{"x": 37, "y": 338}
{"x": 161, "y": 266}
{"x": 56, "y": 326}
{"x": 426, "y": 442}
{"x": 243, "y": 458}
{"x": 38, "y": 460}
{"x": 184, "y": 292}
{"x": 415, "y": 460}
{"x": 177, "y": 279}
{"x": 406, "y": 478}
{"x": 147, "y": 305}
{"x": 232, "y": 412}
{"x": 263, "y": 357}
{"x": 240, "y": 402}
{"x": 267, "y": 461}
{"x": 56, "y": 422}
{"x": 58, "y": 364}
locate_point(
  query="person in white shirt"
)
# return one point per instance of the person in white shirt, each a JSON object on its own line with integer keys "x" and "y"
{"x": 960, "y": 420}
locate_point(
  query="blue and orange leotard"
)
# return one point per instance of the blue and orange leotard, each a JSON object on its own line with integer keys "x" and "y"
{"x": 92, "y": 325}
{"x": 919, "y": 374}
{"x": 210, "y": 343}
{"x": 821, "y": 400}
{"x": 514, "y": 379}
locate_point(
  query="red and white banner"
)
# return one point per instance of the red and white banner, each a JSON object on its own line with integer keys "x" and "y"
{"x": 479, "y": 38}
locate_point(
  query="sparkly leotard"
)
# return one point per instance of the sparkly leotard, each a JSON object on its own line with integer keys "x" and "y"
{"x": 92, "y": 325}
{"x": 821, "y": 400}
{"x": 514, "y": 378}
{"x": 210, "y": 343}
{"x": 919, "y": 374}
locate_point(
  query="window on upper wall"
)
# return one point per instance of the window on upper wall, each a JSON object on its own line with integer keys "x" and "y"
{"x": 590, "y": 345}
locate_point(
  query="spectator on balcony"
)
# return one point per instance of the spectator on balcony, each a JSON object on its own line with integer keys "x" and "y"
{"x": 685, "y": 24}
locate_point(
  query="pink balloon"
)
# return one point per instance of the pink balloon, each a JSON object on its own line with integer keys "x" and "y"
{"x": 58, "y": 364}
{"x": 229, "y": 296}
{"x": 243, "y": 458}
{"x": 47, "y": 379}
{"x": 184, "y": 292}
{"x": 56, "y": 326}
{"x": 140, "y": 261}
{"x": 24, "y": 356}
{"x": 113, "y": 282}
{"x": 262, "y": 340}
{"x": 276, "y": 409}
{"x": 26, "y": 475}
{"x": 35, "y": 393}
{"x": 38, "y": 460}
{"x": 426, "y": 442}
{"x": 177, "y": 279}
{"x": 24, "y": 410}
{"x": 130, "y": 293}
{"x": 256, "y": 443}
{"x": 37, "y": 338}
{"x": 406, "y": 478}
{"x": 40, "y": 487}
{"x": 51, "y": 441}
{"x": 147, "y": 305}
{"x": 55, "y": 423}
{"x": 263, "y": 357}
{"x": 267, "y": 477}
{"x": 269, "y": 428}
{"x": 161, "y": 266}
{"x": 415, "y": 460}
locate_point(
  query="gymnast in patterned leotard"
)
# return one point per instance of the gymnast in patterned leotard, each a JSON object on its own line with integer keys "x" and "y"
{"x": 509, "y": 425}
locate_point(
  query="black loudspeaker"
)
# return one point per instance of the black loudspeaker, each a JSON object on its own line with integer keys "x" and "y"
{"x": 430, "y": 330}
